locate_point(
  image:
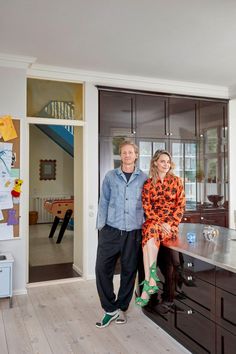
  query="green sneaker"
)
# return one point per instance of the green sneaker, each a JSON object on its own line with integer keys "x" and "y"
{"x": 106, "y": 320}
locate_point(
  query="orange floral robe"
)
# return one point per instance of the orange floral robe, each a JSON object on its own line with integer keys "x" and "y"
{"x": 162, "y": 203}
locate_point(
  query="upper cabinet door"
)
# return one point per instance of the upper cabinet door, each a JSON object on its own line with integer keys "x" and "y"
{"x": 213, "y": 152}
{"x": 182, "y": 118}
{"x": 151, "y": 114}
{"x": 117, "y": 115}
{"x": 213, "y": 115}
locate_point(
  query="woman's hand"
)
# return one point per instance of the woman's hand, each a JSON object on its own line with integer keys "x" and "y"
{"x": 166, "y": 228}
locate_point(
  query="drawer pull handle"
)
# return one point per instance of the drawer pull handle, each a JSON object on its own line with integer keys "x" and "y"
{"x": 190, "y": 265}
{"x": 189, "y": 312}
{"x": 190, "y": 277}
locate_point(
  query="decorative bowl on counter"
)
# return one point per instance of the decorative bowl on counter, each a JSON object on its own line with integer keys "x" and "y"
{"x": 215, "y": 199}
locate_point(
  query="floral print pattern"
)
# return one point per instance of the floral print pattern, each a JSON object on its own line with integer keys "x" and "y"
{"x": 162, "y": 203}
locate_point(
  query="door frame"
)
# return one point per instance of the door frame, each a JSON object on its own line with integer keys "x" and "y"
{"x": 78, "y": 169}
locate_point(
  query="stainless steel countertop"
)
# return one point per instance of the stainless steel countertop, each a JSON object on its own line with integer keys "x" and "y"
{"x": 221, "y": 252}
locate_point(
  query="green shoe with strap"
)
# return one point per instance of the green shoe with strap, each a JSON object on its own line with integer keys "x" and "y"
{"x": 139, "y": 300}
{"x": 153, "y": 275}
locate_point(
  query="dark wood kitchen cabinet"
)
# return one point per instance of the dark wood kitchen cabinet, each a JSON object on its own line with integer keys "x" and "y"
{"x": 203, "y": 317}
{"x": 183, "y": 118}
{"x": 210, "y": 216}
{"x": 225, "y": 311}
{"x": 117, "y": 114}
{"x": 164, "y": 117}
{"x": 193, "y": 129}
{"x": 151, "y": 116}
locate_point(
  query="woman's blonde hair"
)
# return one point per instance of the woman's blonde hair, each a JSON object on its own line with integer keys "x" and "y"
{"x": 153, "y": 167}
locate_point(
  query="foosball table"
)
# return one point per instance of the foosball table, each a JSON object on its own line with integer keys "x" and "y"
{"x": 61, "y": 209}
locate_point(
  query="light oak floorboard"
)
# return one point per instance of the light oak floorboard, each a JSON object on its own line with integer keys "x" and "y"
{"x": 3, "y": 342}
{"x": 60, "y": 319}
{"x": 17, "y": 337}
{"x": 35, "y": 331}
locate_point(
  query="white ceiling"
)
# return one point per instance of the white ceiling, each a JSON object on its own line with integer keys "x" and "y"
{"x": 186, "y": 40}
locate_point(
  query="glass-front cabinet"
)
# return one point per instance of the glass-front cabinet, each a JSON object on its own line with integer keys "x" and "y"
{"x": 184, "y": 156}
{"x": 193, "y": 130}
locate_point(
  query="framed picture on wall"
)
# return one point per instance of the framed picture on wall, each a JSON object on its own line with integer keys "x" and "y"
{"x": 47, "y": 170}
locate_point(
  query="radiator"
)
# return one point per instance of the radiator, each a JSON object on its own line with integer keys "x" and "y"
{"x": 38, "y": 205}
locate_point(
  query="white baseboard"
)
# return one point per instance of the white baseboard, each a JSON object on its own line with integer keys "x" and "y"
{"x": 20, "y": 292}
{"x": 77, "y": 269}
{"x": 54, "y": 282}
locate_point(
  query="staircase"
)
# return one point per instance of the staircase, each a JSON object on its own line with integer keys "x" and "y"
{"x": 61, "y": 135}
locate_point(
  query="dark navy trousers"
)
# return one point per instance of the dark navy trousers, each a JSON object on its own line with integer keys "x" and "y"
{"x": 112, "y": 244}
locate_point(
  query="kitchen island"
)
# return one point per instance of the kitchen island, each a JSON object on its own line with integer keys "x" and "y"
{"x": 203, "y": 315}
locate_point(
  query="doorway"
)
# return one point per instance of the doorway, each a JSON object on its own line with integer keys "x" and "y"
{"x": 51, "y": 196}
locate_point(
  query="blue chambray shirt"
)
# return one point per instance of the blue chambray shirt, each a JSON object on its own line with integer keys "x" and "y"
{"x": 120, "y": 203}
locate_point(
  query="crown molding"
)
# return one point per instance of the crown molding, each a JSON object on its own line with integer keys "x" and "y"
{"x": 127, "y": 81}
{"x": 16, "y": 61}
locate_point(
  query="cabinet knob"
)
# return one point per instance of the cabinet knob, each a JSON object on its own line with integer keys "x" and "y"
{"x": 201, "y": 135}
{"x": 171, "y": 134}
{"x": 202, "y": 218}
{"x": 190, "y": 265}
{"x": 185, "y": 219}
{"x": 0, "y": 270}
{"x": 190, "y": 277}
{"x": 189, "y": 312}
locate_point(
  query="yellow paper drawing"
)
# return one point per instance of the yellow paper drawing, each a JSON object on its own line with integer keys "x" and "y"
{"x": 7, "y": 129}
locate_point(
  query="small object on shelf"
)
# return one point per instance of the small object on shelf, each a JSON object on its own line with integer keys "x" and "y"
{"x": 215, "y": 199}
{"x": 209, "y": 233}
{"x": 191, "y": 237}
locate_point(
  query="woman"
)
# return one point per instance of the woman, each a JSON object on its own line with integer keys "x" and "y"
{"x": 163, "y": 203}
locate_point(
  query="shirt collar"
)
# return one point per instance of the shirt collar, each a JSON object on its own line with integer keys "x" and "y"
{"x": 120, "y": 172}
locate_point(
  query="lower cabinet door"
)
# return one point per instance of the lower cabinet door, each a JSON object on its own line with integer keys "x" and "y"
{"x": 226, "y": 310}
{"x": 195, "y": 330}
{"x": 4, "y": 281}
{"x": 198, "y": 294}
{"x": 226, "y": 341}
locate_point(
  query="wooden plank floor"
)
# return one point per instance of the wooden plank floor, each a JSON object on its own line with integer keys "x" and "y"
{"x": 60, "y": 319}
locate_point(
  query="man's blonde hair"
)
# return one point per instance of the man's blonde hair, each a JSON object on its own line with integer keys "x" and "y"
{"x": 129, "y": 142}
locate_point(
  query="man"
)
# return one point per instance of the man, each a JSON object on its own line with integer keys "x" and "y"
{"x": 120, "y": 218}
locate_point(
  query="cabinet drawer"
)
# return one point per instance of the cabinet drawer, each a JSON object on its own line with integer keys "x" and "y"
{"x": 225, "y": 341}
{"x": 226, "y": 310}
{"x": 191, "y": 218}
{"x": 198, "y": 268}
{"x": 214, "y": 219}
{"x": 199, "y": 295}
{"x": 5, "y": 277}
{"x": 196, "y": 328}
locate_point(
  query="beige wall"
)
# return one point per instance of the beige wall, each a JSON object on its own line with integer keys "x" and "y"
{"x": 43, "y": 148}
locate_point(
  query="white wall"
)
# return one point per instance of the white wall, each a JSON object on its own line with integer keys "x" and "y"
{"x": 90, "y": 178}
{"x": 232, "y": 165}
{"x": 43, "y": 148}
{"x": 13, "y": 102}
